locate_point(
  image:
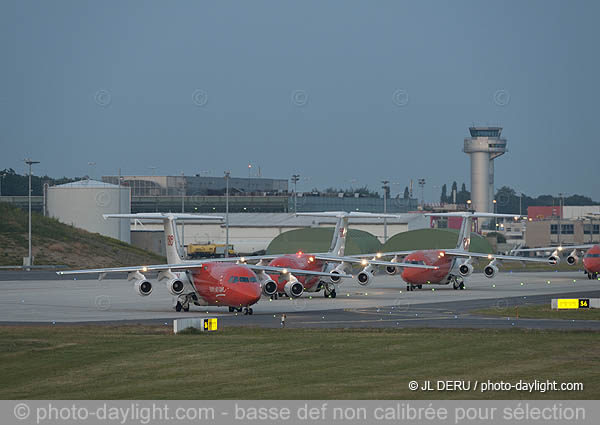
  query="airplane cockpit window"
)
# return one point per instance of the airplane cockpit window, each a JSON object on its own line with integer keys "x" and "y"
{"x": 233, "y": 279}
{"x": 244, "y": 279}
{"x": 252, "y": 279}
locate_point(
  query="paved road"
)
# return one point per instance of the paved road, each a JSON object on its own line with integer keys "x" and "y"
{"x": 385, "y": 303}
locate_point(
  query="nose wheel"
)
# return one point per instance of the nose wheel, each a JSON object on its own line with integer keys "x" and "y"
{"x": 458, "y": 283}
{"x": 248, "y": 311}
{"x": 329, "y": 291}
{"x": 185, "y": 307}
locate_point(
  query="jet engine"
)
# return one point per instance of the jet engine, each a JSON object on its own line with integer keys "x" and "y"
{"x": 175, "y": 286}
{"x": 338, "y": 270}
{"x": 143, "y": 287}
{"x": 293, "y": 288}
{"x": 554, "y": 258}
{"x": 490, "y": 270}
{"x": 572, "y": 259}
{"x": 465, "y": 269}
{"x": 391, "y": 270}
{"x": 268, "y": 285}
{"x": 365, "y": 275}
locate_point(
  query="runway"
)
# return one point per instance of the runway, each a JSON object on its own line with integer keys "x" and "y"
{"x": 385, "y": 303}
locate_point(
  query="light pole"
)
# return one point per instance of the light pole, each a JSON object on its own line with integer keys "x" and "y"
{"x": 385, "y": 188}
{"x": 295, "y": 178}
{"x": 182, "y": 211}
{"x": 30, "y": 163}
{"x": 227, "y": 173}
{"x": 495, "y": 218}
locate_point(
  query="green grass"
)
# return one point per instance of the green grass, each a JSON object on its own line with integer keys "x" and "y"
{"x": 144, "y": 362}
{"x": 542, "y": 312}
{"x": 57, "y": 243}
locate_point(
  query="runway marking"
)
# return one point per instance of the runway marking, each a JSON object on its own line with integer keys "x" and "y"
{"x": 369, "y": 321}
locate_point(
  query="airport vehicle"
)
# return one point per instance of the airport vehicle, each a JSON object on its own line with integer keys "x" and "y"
{"x": 334, "y": 261}
{"x": 453, "y": 265}
{"x": 590, "y": 254}
{"x": 208, "y": 250}
{"x": 211, "y": 282}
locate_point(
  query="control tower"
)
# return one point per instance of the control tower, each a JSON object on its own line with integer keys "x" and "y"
{"x": 483, "y": 146}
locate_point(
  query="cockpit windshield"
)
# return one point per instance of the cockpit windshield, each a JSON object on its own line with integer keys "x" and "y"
{"x": 236, "y": 279}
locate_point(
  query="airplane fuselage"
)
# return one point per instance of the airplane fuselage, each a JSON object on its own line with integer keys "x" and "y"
{"x": 591, "y": 260}
{"x": 432, "y": 257}
{"x": 224, "y": 284}
{"x": 299, "y": 262}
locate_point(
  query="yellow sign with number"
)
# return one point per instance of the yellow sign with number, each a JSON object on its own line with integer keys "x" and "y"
{"x": 567, "y": 304}
{"x": 210, "y": 325}
{"x": 572, "y": 303}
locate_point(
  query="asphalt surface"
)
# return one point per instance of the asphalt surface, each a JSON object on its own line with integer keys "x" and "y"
{"x": 39, "y": 297}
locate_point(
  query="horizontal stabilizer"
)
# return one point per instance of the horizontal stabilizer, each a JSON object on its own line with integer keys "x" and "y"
{"x": 164, "y": 216}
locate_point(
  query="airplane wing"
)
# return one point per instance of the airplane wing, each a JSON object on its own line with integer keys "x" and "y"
{"x": 365, "y": 262}
{"x": 466, "y": 254}
{"x": 191, "y": 266}
{"x": 554, "y": 248}
{"x": 384, "y": 254}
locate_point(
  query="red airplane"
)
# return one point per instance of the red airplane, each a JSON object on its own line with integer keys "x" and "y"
{"x": 334, "y": 261}
{"x": 451, "y": 265}
{"x": 211, "y": 282}
{"x": 591, "y": 256}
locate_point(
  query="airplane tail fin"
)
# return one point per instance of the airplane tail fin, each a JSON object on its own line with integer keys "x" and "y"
{"x": 338, "y": 242}
{"x": 170, "y": 229}
{"x": 464, "y": 235}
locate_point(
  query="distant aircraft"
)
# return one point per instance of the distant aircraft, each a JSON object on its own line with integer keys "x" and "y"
{"x": 334, "y": 261}
{"x": 590, "y": 253}
{"x": 453, "y": 265}
{"x": 211, "y": 282}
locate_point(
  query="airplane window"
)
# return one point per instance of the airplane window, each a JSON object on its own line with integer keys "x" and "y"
{"x": 252, "y": 279}
{"x": 233, "y": 279}
{"x": 243, "y": 279}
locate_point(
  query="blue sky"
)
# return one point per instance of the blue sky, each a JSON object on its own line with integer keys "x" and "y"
{"x": 345, "y": 93}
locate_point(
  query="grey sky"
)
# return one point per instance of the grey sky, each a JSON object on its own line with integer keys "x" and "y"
{"x": 346, "y": 92}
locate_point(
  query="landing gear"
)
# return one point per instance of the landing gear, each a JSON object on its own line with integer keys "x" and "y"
{"x": 183, "y": 303}
{"x": 231, "y": 309}
{"x": 420, "y": 286}
{"x": 329, "y": 291}
{"x": 458, "y": 283}
{"x": 182, "y": 307}
{"x": 248, "y": 311}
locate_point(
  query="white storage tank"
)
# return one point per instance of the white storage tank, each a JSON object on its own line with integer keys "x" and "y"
{"x": 81, "y": 204}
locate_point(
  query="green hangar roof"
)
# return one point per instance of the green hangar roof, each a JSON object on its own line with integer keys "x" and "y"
{"x": 318, "y": 239}
{"x": 432, "y": 239}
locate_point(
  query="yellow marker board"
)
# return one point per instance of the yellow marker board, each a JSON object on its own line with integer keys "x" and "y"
{"x": 572, "y": 303}
{"x": 210, "y": 325}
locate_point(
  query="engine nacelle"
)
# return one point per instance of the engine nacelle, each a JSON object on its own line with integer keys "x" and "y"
{"x": 269, "y": 287}
{"x": 490, "y": 270}
{"x": 391, "y": 270}
{"x": 338, "y": 270}
{"x": 175, "y": 286}
{"x": 365, "y": 275}
{"x": 143, "y": 287}
{"x": 554, "y": 258}
{"x": 465, "y": 269}
{"x": 572, "y": 259}
{"x": 293, "y": 288}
